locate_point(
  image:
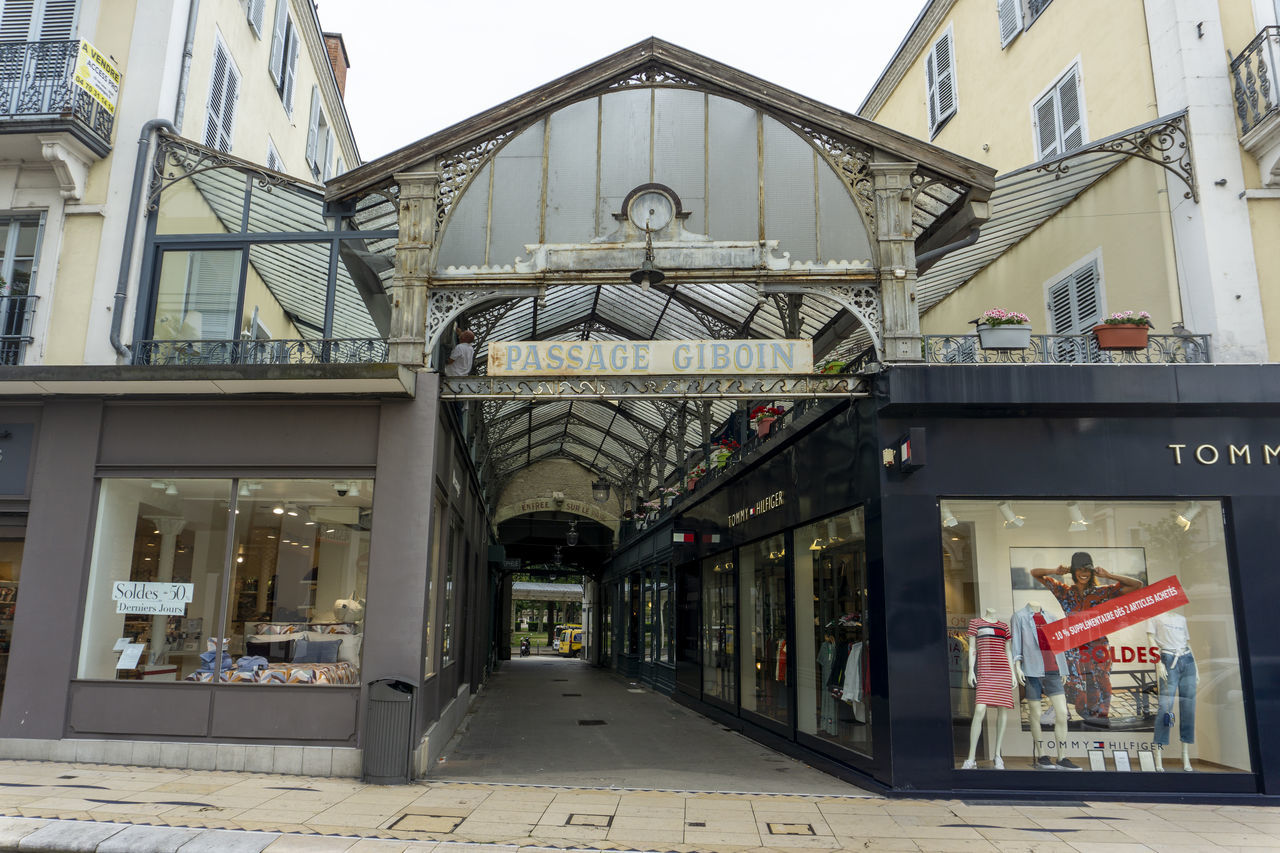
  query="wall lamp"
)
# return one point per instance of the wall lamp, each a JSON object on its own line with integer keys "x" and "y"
{"x": 1188, "y": 515}
{"x": 571, "y": 538}
{"x": 600, "y": 490}
{"x": 1011, "y": 519}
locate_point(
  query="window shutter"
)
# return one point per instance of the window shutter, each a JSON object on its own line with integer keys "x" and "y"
{"x": 273, "y": 157}
{"x": 1074, "y": 303}
{"x": 224, "y": 93}
{"x": 1046, "y": 118}
{"x": 59, "y": 20}
{"x": 328, "y": 154}
{"x": 930, "y": 84}
{"x": 313, "y": 127}
{"x": 213, "y": 290}
{"x": 1086, "y": 294}
{"x": 277, "y": 42}
{"x": 255, "y": 11}
{"x": 291, "y": 70}
{"x": 1009, "y": 13}
{"x": 1069, "y": 112}
{"x": 338, "y": 167}
{"x": 941, "y": 72}
{"x": 15, "y": 23}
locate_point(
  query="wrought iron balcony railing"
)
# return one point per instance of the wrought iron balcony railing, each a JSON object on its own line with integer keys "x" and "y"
{"x": 36, "y": 81}
{"x": 328, "y": 351}
{"x": 1256, "y": 85}
{"x": 1068, "y": 349}
{"x": 15, "y": 327}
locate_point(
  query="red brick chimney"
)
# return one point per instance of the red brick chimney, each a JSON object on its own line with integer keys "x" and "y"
{"x": 338, "y": 59}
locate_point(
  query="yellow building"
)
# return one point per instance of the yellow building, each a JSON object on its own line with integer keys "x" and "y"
{"x": 1134, "y": 163}
{"x": 258, "y": 79}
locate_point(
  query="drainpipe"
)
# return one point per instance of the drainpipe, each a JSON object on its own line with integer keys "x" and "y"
{"x": 925, "y": 260}
{"x": 131, "y": 224}
{"x": 188, "y": 49}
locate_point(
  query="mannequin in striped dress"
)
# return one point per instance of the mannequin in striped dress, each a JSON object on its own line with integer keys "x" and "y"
{"x": 991, "y": 672}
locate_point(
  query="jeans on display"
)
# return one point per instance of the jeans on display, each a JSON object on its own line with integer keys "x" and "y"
{"x": 1181, "y": 680}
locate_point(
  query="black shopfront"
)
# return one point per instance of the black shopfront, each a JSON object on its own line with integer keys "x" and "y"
{"x": 824, "y": 591}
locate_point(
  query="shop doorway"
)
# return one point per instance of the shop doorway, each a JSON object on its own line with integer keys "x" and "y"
{"x": 10, "y": 569}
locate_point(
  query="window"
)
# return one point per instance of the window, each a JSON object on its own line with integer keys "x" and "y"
{"x": 1075, "y": 303}
{"x": 319, "y": 137}
{"x": 940, "y": 81}
{"x": 199, "y": 296}
{"x": 1157, "y": 688}
{"x": 284, "y": 55}
{"x": 1058, "y": 117}
{"x": 19, "y": 243}
{"x": 38, "y": 20}
{"x": 763, "y": 660}
{"x": 1009, "y": 13}
{"x": 273, "y": 156}
{"x": 254, "y": 10}
{"x": 832, "y": 675}
{"x": 719, "y": 619}
{"x": 436, "y": 571}
{"x": 160, "y": 572}
{"x": 224, "y": 94}
{"x": 452, "y": 545}
{"x": 1035, "y": 7}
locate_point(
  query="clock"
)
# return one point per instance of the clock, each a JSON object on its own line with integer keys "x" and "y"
{"x": 651, "y": 209}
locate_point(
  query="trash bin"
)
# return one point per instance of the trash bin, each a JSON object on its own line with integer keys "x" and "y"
{"x": 388, "y": 732}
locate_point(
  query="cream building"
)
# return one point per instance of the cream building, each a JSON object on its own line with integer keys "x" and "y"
{"x": 258, "y": 79}
{"x": 1104, "y": 228}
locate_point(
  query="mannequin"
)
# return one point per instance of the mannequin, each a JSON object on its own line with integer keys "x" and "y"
{"x": 1175, "y": 675}
{"x": 991, "y": 672}
{"x": 1040, "y": 672}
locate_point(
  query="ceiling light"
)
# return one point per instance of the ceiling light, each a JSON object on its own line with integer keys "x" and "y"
{"x": 244, "y": 489}
{"x": 1187, "y": 516}
{"x": 277, "y": 509}
{"x": 817, "y": 545}
{"x": 354, "y": 490}
{"x": 171, "y": 489}
{"x": 948, "y": 518}
{"x": 291, "y": 510}
{"x": 571, "y": 538}
{"x": 1078, "y": 523}
{"x": 1010, "y": 518}
{"x": 157, "y": 484}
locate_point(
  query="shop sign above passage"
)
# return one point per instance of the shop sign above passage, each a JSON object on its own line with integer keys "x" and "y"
{"x": 613, "y": 358}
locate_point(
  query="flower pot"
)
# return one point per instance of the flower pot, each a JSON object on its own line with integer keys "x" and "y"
{"x": 763, "y": 425}
{"x": 693, "y": 483}
{"x": 1121, "y": 335}
{"x": 1007, "y": 336}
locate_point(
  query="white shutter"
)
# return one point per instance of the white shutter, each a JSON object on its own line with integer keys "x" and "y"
{"x": 327, "y": 171}
{"x": 1074, "y": 302}
{"x": 338, "y": 167}
{"x": 313, "y": 127}
{"x": 277, "y": 42}
{"x": 273, "y": 157}
{"x": 940, "y": 76}
{"x": 224, "y": 94}
{"x": 15, "y": 22}
{"x": 1046, "y": 126}
{"x": 1009, "y": 12}
{"x": 291, "y": 70}
{"x": 255, "y": 11}
{"x": 1069, "y": 112}
{"x": 1088, "y": 313}
{"x": 59, "y": 20}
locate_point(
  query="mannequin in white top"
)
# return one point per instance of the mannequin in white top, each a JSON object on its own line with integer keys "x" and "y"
{"x": 980, "y": 709}
{"x": 1168, "y": 632}
{"x": 1057, "y": 700}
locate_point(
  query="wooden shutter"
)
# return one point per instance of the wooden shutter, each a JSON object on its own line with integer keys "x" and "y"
{"x": 1074, "y": 304}
{"x": 940, "y": 81}
{"x": 1069, "y": 111}
{"x": 255, "y": 11}
{"x": 15, "y": 22}
{"x": 273, "y": 157}
{"x": 1009, "y": 13}
{"x": 224, "y": 94}
{"x": 291, "y": 69}
{"x": 327, "y": 171}
{"x": 313, "y": 127}
{"x": 277, "y": 43}
{"x": 1045, "y": 116}
{"x": 58, "y": 21}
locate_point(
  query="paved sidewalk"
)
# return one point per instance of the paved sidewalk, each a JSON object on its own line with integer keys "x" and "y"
{"x": 109, "y": 809}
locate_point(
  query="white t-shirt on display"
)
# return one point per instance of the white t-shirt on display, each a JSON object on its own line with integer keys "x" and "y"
{"x": 1170, "y": 630}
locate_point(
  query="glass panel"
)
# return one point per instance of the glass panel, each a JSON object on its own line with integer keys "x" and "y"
{"x": 159, "y": 555}
{"x": 831, "y": 631}
{"x": 606, "y": 628}
{"x": 649, "y": 594}
{"x": 1077, "y": 608}
{"x": 631, "y": 607}
{"x": 433, "y": 583}
{"x": 10, "y": 570}
{"x": 301, "y": 562}
{"x": 719, "y": 615}
{"x": 763, "y": 593}
{"x": 197, "y": 297}
{"x": 446, "y": 625}
{"x": 207, "y": 203}
{"x": 666, "y": 616}
{"x": 283, "y": 209}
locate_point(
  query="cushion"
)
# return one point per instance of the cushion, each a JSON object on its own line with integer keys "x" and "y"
{"x": 349, "y": 651}
{"x": 275, "y": 652}
{"x": 277, "y": 628}
{"x": 323, "y": 651}
{"x": 301, "y": 649}
{"x": 332, "y": 628}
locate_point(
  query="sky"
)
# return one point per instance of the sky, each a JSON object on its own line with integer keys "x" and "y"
{"x": 419, "y": 66}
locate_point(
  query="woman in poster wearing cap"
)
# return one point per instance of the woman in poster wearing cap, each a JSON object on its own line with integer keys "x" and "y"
{"x": 1090, "y": 663}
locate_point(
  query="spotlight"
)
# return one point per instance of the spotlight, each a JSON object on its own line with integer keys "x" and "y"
{"x": 291, "y": 509}
{"x": 171, "y": 489}
{"x": 1011, "y": 519}
{"x": 244, "y": 489}
{"x": 1187, "y": 516}
{"x": 832, "y": 538}
{"x": 354, "y": 491}
{"x": 278, "y": 509}
{"x": 817, "y": 545}
{"x": 856, "y": 528}
{"x": 948, "y": 518}
{"x": 1078, "y": 523}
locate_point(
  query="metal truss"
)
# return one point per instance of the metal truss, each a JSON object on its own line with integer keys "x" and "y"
{"x": 860, "y": 300}
{"x": 1165, "y": 142}
{"x": 670, "y": 388}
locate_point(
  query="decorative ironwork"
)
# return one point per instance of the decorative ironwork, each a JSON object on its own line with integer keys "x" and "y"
{"x": 459, "y": 168}
{"x": 733, "y": 387}
{"x": 851, "y": 161}
{"x": 319, "y": 351}
{"x": 444, "y": 305}
{"x": 1068, "y": 349}
{"x": 655, "y": 75}
{"x": 1254, "y": 92}
{"x": 189, "y": 158}
{"x": 860, "y": 300}
{"x": 16, "y": 313}
{"x": 1165, "y": 142}
{"x": 36, "y": 80}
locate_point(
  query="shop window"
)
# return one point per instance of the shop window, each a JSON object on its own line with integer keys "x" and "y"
{"x": 295, "y": 574}
{"x": 1095, "y": 635}
{"x": 446, "y": 623}
{"x": 763, "y": 597}
{"x": 663, "y": 614}
{"x": 10, "y": 571}
{"x": 719, "y": 617}
{"x": 438, "y": 516}
{"x": 832, "y": 675}
{"x": 606, "y": 625}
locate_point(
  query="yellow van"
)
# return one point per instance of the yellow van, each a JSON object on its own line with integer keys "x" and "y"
{"x": 560, "y": 632}
{"x": 571, "y": 642}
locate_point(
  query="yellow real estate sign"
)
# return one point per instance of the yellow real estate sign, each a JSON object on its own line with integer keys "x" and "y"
{"x": 98, "y": 76}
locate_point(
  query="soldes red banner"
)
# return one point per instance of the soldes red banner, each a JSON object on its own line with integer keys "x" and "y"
{"x": 1082, "y": 627}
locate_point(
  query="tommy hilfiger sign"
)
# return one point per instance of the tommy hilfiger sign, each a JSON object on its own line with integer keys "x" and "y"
{"x": 1233, "y": 454}
{"x": 760, "y": 507}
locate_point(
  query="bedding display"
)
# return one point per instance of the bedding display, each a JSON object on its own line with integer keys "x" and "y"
{"x": 341, "y": 673}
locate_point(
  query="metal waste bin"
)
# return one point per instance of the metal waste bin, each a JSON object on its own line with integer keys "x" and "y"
{"x": 388, "y": 731}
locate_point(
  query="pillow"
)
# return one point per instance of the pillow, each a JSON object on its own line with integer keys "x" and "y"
{"x": 323, "y": 651}
{"x": 276, "y": 628}
{"x": 349, "y": 651}
{"x": 275, "y": 652}
{"x": 332, "y": 628}
{"x": 301, "y": 650}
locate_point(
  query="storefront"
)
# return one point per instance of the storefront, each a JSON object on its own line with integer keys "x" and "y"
{"x": 222, "y": 579}
{"x": 858, "y": 584}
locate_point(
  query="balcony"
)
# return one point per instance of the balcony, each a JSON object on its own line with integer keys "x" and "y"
{"x": 246, "y": 352}
{"x": 1068, "y": 349}
{"x": 15, "y": 327}
{"x": 1257, "y": 96}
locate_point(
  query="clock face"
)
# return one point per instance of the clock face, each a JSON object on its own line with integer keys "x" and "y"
{"x": 651, "y": 209}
